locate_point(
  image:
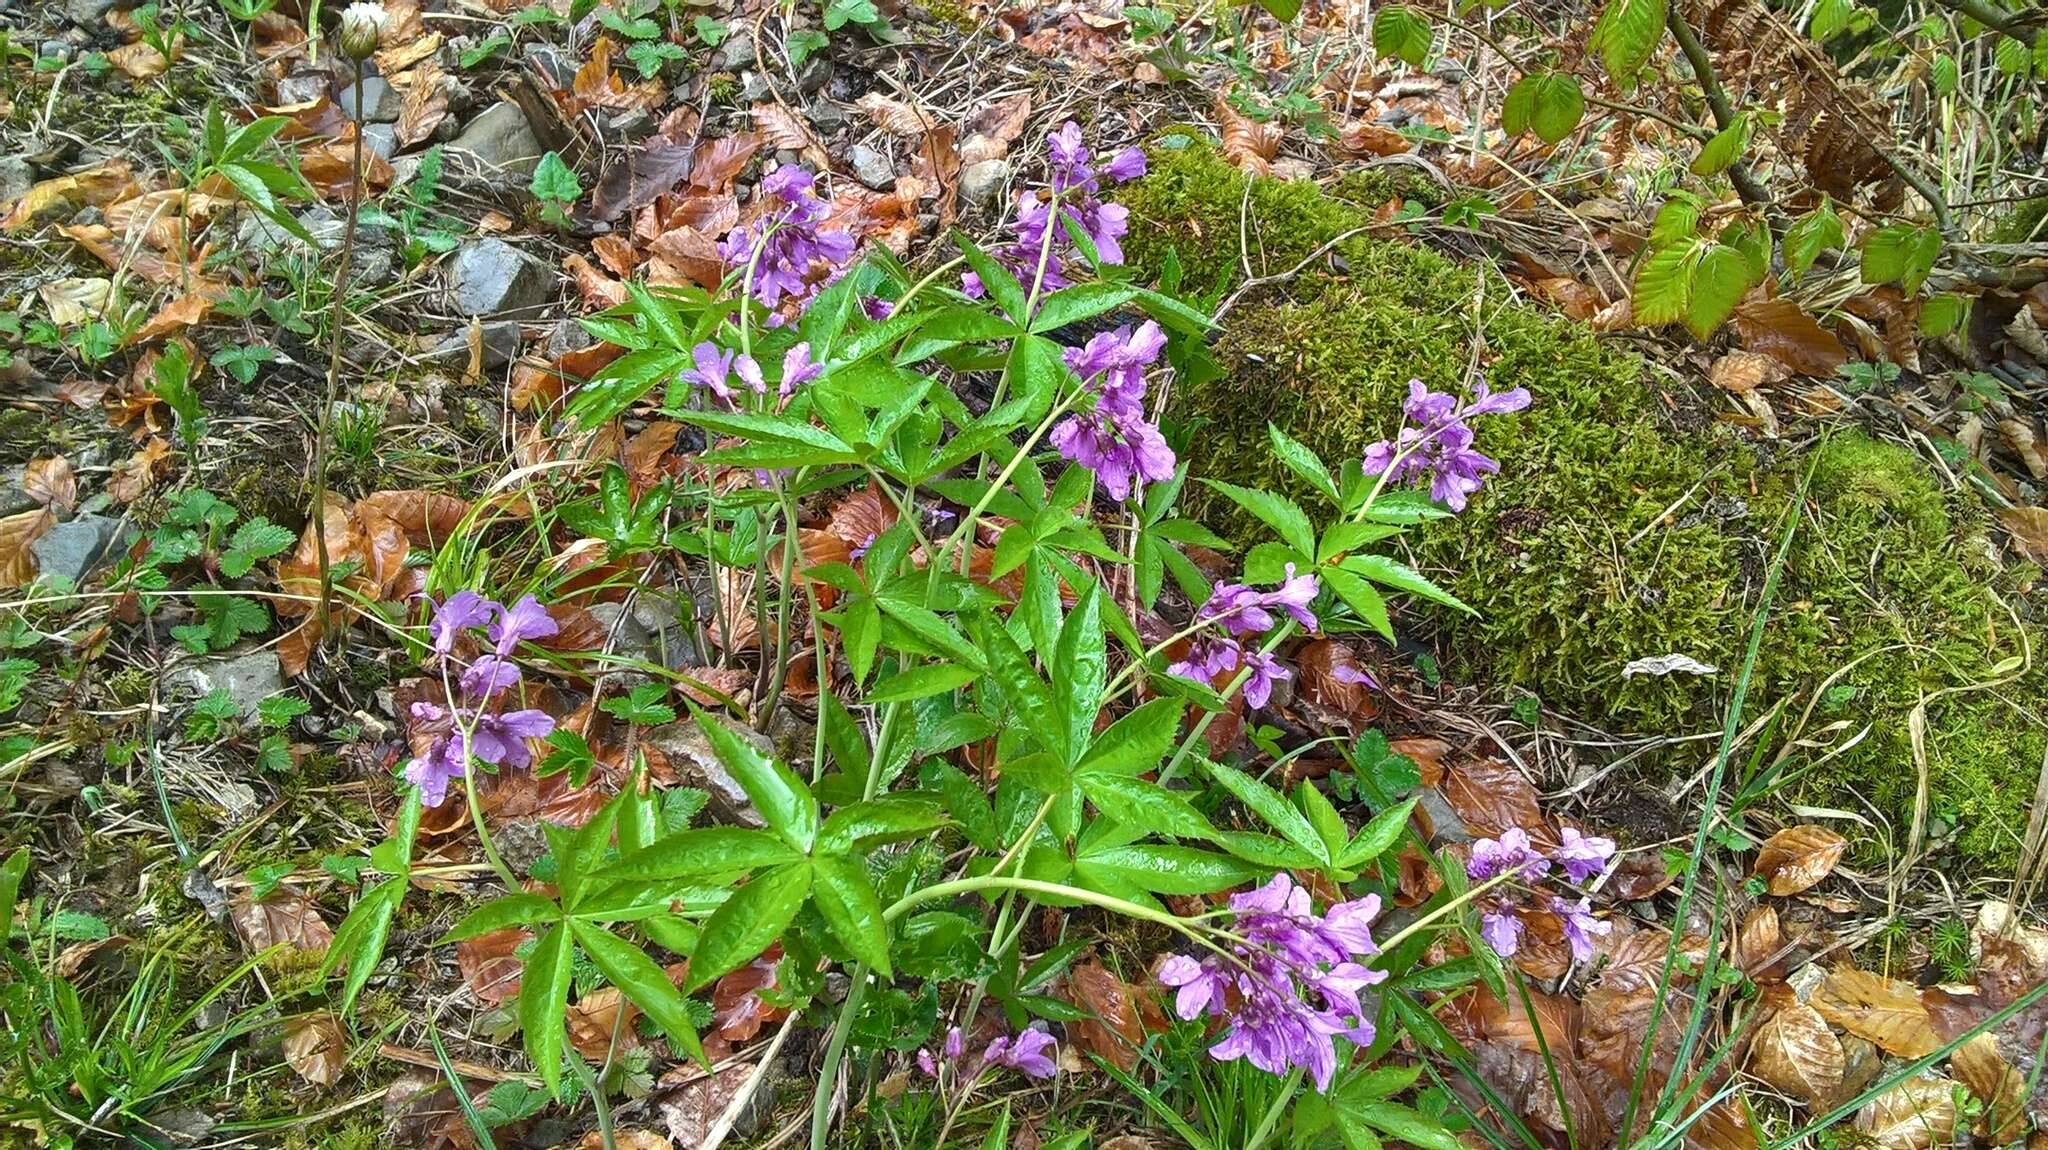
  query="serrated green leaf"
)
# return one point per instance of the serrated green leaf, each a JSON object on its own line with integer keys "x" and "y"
{"x": 544, "y": 1003}
{"x": 1663, "y": 288}
{"x": 1726, "y": 147}
{"x": 1719, "y": 280}
{"x": 746, "y": 923}
{"x": 1626, "y": 36}
{"x": 847, "y": 900}
{"x": 1401, "y": 32}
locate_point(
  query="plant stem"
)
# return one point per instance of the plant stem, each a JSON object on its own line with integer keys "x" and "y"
{"x": 1273, "y": 1112}
{"x": 339, "y": 306}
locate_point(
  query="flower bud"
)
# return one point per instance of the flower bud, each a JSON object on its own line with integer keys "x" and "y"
{"x": 362, "y": 26}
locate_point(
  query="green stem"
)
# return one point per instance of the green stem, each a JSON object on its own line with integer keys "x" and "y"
{"x": 1274, "y": 1111}
{"x": 835, "y": 1053}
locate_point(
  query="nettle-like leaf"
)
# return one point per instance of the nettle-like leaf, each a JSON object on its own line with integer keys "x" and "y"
{"x": 1900, "y": 253}
{"x": 1819, "y": 230}
{"x": 1402, "y": 32}
{"x": 252, "y": 542}
{"x": 1626, "y": 36}
{"x": 1548, "y": 102}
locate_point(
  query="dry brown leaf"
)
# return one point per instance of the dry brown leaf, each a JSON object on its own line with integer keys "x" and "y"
{"x": 1795, "y": 1052}
{"x": 990, "y": 131}
{"x": 1917, "y": 1114}
{"x": 51, "y": 482}
{"x": 1490, "y": 796}
{"x": 785, "y": 129}
{"x": 1724, "y": 1126}
{"x": 1758, "y": 945}
{"x": 1798, "y": 857}
{"x": 1741, "y": 371}
{"x": 395, "y": 58}
{"x": 281, "y": 919}
{"x": 737, "y": 1010}
{"x": 1119, "y": 1013}
{"x": 489, "y": 967}
{"x": 1330, "y": 676}
{"x": 424, "y": 107}
{"x": 1782, "y": 330}
{"x": 73, "y": 301}
{"x": 1361, "y": 138}
{"x": 428, "y": 518}
{"x": 632, "y": 1139}
{"x": 106, "y": 184}
{"x": 691, "y": 255}
{"x": 1638, "y": 960}
{"x": 647, "y": 450}
{"x": 2029, "y": 527}
{"x": 142, "y": 60}
{"x": 1978, "y": 1065}
{"x": 1247, "y": 143}
{"x": 315, "y": 1046}
{"x": 895, "y": 116}
{"x": 1883, "y": 1010}
{"x": 17, "y": 532}
{"x": 138, "y": 472}
{"x": 175, "y": 316}
{"x": 597, "y": 290}
{"x": 691, "y": 1106}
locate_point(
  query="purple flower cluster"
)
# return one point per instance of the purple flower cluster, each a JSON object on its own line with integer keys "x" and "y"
{"x": 1435, "y": 442}
{"x": 1242, "y": 613}
{"x": 1028, "y": 1053}
{"x": 1290, "y": 986}
{"x": 473, "y": 729}
{"x": 1582, "y": 857}
{"x": 1114, "y": 439}
{"x": 796, "y": 256}
{"x": 1075, "y": 186}
{"x": 715, "y": 368}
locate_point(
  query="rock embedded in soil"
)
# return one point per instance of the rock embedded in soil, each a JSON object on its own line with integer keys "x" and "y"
{"x": 982, "y": 180}
{"x": 74, "y": 550}
{"x": 496, "y": 149}
{"x": 871, "y": 167}
{"x": 381, "y": 140}
{"x": 381, "y": 102}
{"x": 490, "y": 277}
{"x": 17, "y": 176}
{"x": 699, "y": 766}
{"x": 91, "y": 13}
{"x": 250, "y": 676}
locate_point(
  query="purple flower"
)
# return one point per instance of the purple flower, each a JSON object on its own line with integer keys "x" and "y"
{"x": 1580, "y": 926}
{"x": 925, "y": 1063}
{"x": 790, "y": 256}
{"x": 1512, "y": 852}
{"x": 1026, "y": 1053}
{"x": 956, "y": 1043}
{"x": 1266, "y": 670}
{"x": 1583, "y": 857}
{"x": 1120, "y": 453}
{"x": 798, "y": 369}
{"x": 526, "y": 619}
{"x": 489, "y": 676}
{"x": 749, "y": 372}
{"x": 1069, "y": 155}
{"x": 876, "y": 308}
{"x": 501, "y": 739}
{"x": 1436, "y": 442}
{"x": 457, "y": 613}
{"x": 1501, "y": 928}
{"x": 1349, "y": 673}
{"x": 1128, "y": 164}
{"x": 1243, "y": 611}
{"x": 1296, "y": 988}
{"x": 713, "y": 369}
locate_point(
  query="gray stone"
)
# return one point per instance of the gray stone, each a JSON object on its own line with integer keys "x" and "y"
{"x": 17, "y": 176}
{"x": 14, "y": 500}
{"x": 1443, "y": 817}
{"x": 500, "y": 340}
{"x": 982, "y": 181}
{"x": 91, "y": 13}
{"x": 826, "y": 116}
{"x": 76, "y": 549}
{"x": 381, "y": 102}
{"x": 812, "y": 79}
{"x": 738, "y": 50}
{"x": 323, "y": 223}
{"x": 497, "y": 148}
{"x": 692, "y": 757}
{"x": 490, "y": 277}
{"x": 250, "y": 676}
{"x": 381, "y": 140}
{"x": 54, "y": 50}
{"x": 301, "y": 87}
{"x": 872, "y": 168}
{"x": 568, "y": 336}
{"x": 754, "y": 88}
{"x": 548, "y": 60}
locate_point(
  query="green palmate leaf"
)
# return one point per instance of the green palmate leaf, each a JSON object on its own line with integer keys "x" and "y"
{"x": 1663, "y": 288}
{"x": 1272, "y": 808}
{"x": 623, "y": 382}
{"x": 544, "y": 1003}
{"x": 642, "y": 981}
{"x": 554, "y": 181}
{"x": 499, "y": 913}
{"x": 847, "y": 900}
{"x": 1347, "y": 535}
{"x": 1363, "y": 598}
{"x": 1549, "y": 102}
{"x": 1329, "y": 825}
{"x": 780, "y": 429}
{"x": 1376, "y": 837}
{"x": 1626, "y": 35}
{"x": 860, "y": 630}
{"x": 921, "y": 682}
{"x": 1138, "y": 803}
{"x": 748, "y": 922}
{"x": 1401, "y": 32}
{"x": 1082, "y": 301}
{"x": 1276, "y": 511}
{"x": 1012, "y": 671}
{"x": 1808, "y": 236}
{"x": 701, "y": 853}
{"x": 1136, "y": 742}
{"x": 1165, "y": 869}
{"x": 1401, "y": 577}
{"x": 1719, "y": 280}
{"x": 935, "y": 630}
{"x": 875, "y": 822}
{"x": 1001, "y": 286}
{"x": 1303, "y": 462}
{"x": 785, "y": 803}
{"x": 1724, "y": 149}
{"x": 1080, "y": 663}
{"x": 1902, "y": 254}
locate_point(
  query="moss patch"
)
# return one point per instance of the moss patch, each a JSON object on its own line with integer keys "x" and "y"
{"x": 1625, "y": 523}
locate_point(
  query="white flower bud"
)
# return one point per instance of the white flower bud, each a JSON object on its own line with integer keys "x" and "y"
{"x": 362, "y": 26}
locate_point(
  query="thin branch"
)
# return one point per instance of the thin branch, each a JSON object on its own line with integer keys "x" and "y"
{"x": 1746, "y": 186}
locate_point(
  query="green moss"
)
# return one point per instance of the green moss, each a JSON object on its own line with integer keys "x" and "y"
{"x": 1623, "y": 524}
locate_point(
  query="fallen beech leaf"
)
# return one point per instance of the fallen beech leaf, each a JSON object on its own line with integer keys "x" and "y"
{"x": 488, "y": 965}
{"x": 142, "y": 61}
{"x": 576, "y": 629}
{"x": 401, "y": 54}
{"x": 428, "y": 518}
{"x": 895, "y": 116}
{"x": 1795, "y": 1052}
{"x": 634, "y": 1139}
{"x": 646, "y": 450}
{"x": 601, "y": 1023}
{"x": 1119, "y": 1014}
{"x": 51, "y": 482}
{"x": 295, "y": 647}
{"x": 860, "y": 517}
{"x": 1639, "y": 960}
{"x": 691, "y": 1106}
{"x": 287, "y": 919}
{"x": 720, "y": 161}
{"x": 737, "y": 1010}
{"x": 1723, "y": 1126}
{"x": 1247, "y": 143}
{"x": 1884, "y": 1010}
{"x": 175, "y": 316}
{"x": 691, "y": 256}
{"x": 1330, "y": 676}
{"x": 1782, "y": 330}
{"x": 785, "y": 129}
{"x": 1798, "y": 857}
{"x": 597, "y": 290}
{"x": 1917, "y": 1114}
{"x": 2029, "y": 527}
{"x": 1490, "y": 796}
{"x": 994, "y": 127}
{"x": 138, "y": 472}
{"x": 1759, "y": 943}
{"x": 1978, "y": 1065}
{"x": 424, "y": 107}
{"x": 17, "y": 532}
{"x": 315, "y": 1046}
{"x": 595, "y": 85}
{"x": 73, "y": 301}
{"x": 1741, "y": 371}
{"x": 1640, "y": 875}
{"x": 1362, "y": 138}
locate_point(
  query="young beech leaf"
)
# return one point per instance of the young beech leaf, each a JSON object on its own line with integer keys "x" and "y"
{"x": 1626, "y": 36}
{"x": 1718, "y": 281}
{"x": 1815, "y": 232}
{"x": 1724, "y": 149}
{"x": 1400, "y": 31}
{"x": 1663, "y": 286}
{"x": 1548, "y": 102}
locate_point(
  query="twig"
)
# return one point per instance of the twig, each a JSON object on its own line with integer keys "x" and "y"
{"x": 1752, "y": 193}
{"x": 357, "y": 189}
